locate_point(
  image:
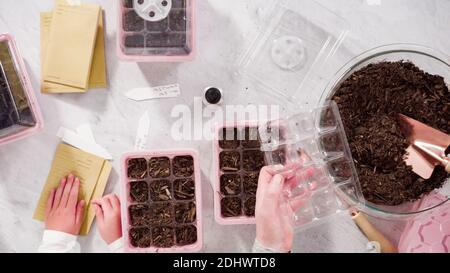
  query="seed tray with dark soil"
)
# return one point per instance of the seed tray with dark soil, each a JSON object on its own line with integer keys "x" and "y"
{"x": 369, "y": 101}
{"x": 159, "y": 167}
{"x": 162, "y": 204}
{"x": 240, "y": 160}
{"x": 7, "y": 112}
{"x": 186, "y": 235}
{"x": 139, "y": 191}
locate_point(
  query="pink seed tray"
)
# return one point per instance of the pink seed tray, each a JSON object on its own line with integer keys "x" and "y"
{"x": 244, "y": 193}
{"x": 19, "y": 132}
{"x": 127, "y": 200}
{"x": 171, "y": 39}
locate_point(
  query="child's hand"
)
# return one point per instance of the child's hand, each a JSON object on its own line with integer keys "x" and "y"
{"x": 274, "y": 214}
{"x": 63, "y": 211}
{"x": 109, "y": 220}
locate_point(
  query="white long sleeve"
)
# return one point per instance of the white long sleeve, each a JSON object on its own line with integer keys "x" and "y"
{"x": 259, "y": 248}
{"x": 116, "y": 246}
{"x": 58, "y": 242}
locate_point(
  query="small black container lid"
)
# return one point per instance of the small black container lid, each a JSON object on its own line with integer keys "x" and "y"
{"x": 213, "y": 95}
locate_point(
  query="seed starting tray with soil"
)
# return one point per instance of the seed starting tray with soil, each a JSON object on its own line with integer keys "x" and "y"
{"x": 169, "y": 39}
{"x": 161, "y": 202}
{"x": 310, "y": 149}
{"x": 19, "y": 113}
{"x": 238, "y": 161}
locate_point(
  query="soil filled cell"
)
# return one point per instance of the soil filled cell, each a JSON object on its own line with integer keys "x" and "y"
{"x": 183, "y": 166}
{"x": 162, "y": 214}
{"x": 184, "y": 189}
{"x": 230, "y": 184}
{"x": 140, "y": 237}
{"x": 160, "y": 190}
{"x": 249, "y": 206}
{"x": 251, "y": 138}
{"x": 140, "y": 215}
{"x": 185, "y": 213}
{"x": 132, "y": 21}
{"x": 231, "y": 206}
{"x": 251, "y": 183}
{"x": 186, "y": 235}
{"x": 179, "y": 4}
{"x": 177, "y": 20}
{"x": 163, "y": 237}
{"x": 230, "y": 161}
{"x": 137, "y": 168}
{"x": 228, "y": 138}
{"x": 134, "y": 41}
{"x": 159, "y": 167}
{"x": 139, "y": 191}
{"x": 253, "y": 160}
{"x": 159, "y": 26}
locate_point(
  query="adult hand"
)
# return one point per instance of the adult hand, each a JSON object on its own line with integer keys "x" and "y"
{"x": 63, "y": 211}
{"x": 109, "y": 220}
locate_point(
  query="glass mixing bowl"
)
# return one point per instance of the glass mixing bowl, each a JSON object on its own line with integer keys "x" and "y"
{"x": 429, "y": 60}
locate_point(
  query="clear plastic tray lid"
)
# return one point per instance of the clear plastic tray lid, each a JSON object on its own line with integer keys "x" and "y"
{"x": 311, "y": 151}
{"x": 15, "y": 112}
{"x": 297, "y": 41}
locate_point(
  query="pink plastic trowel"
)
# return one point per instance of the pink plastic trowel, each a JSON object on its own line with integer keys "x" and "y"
{"x": 427, "y": 147}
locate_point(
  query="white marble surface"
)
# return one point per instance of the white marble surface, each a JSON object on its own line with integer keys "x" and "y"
{"x": 224, "y": 28}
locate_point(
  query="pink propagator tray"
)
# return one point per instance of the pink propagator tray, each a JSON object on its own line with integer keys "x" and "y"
{"x": 191, "y": 7}
{"x": 22, "y": 72}
{"x": 220, "y": 219}
{"x": 126, "y": 202}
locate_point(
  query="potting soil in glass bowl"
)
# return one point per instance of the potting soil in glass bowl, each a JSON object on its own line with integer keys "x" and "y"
{"x": 370, "y": 91}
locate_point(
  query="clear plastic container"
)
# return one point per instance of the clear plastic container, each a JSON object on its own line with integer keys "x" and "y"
{"x": 310, "y": 149}
{"x": 245, "y": 195}
{"x": 294, "y": 48}
{"x": 156, "y": 30}
{"x": 431, "y": 61}
{"x": 150, "y": 204}
{"x": 20, "y": 115}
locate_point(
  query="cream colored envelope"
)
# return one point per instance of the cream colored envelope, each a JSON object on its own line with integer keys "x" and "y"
{"x": 92, "y": 170}
{"x": 71, "y": 43}
{"x": 97, "y": 78}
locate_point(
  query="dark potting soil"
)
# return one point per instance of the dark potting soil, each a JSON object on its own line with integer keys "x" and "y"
{"x": 253, "y": 160}
{"x": 230, "y": 184}
{"x": 183, "y": 166}
{"x": 186, "y": 235}
{"x": 230, "y": 161}
{"x": 163, "y": 237}
{"x": 231, "y": 206}
{"x": 140, "y": 237}
{"x": 6, "y": 104}
{"x": 139, "y": 191}
{"x": 132, "y": 21}
{"x": 140, "y": 215}
{"x": 160, "y": 190}
{"x": 162, "y": 214}
{"x": 228, "y": 138}
{"x": 137, "y": 168}
{"x": 185, "y": 213}
{"x": 251, "y": 183}
{"x": 184, "y": 189}
{"x": 251, "y": 138}
{"x": 159, "y": 167}
{"x": 369, "y": 101}
{"x": 249, "y": 205}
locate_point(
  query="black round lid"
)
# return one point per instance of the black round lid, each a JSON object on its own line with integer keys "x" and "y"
{"x": 213, "y": 95}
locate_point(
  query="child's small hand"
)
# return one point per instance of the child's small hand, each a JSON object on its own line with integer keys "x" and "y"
{"x": 63, "y": 211}
{"x": 109, "y": 220}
